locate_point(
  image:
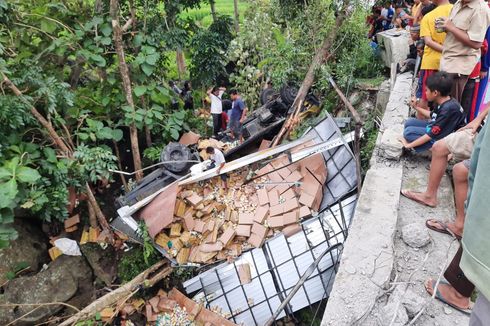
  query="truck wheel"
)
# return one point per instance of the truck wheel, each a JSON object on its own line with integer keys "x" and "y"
{"x": 176, "y": 152}
{"x": 266, "y": 95}
{"x": 288, "y": 94}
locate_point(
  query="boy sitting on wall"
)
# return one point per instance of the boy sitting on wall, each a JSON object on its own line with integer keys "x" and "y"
{"x": 448, "y": 116}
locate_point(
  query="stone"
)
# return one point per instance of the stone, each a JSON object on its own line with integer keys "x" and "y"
{"x": 388, "y": 311}
{"x": 65, "y": 278}
{"x": 29, "y": 249}
{"x": 383, "y": 96}
{"x": 102, "y": 261}
{"x": 394, "y": 46}
{"x": 390, "y": 146}
{"x": 412, "y": 302}
{"x": 415, "y": 235}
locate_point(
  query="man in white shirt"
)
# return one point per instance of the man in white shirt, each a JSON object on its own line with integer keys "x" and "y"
{"x": 215, "y": 94}
{"x": 218, "y": 160}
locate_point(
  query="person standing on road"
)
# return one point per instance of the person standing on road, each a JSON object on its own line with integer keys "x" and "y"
{"x": 238, "y": 115}
{"x": 215, "y": 94}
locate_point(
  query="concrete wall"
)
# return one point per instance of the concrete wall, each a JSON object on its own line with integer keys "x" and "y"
{"x": 367, "y": 259}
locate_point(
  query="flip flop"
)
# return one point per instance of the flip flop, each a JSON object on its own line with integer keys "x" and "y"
{"x": 444, "y": 230}
{"x": 439, "y": 297}
{"x": 408, "y": 194}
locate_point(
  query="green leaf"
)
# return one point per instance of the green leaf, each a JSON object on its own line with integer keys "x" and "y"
{"x": 106, "y": 40}
{"x": 104, "y": 133}
{"x": 10, "y": 275}
{"x": 117, "y": 134}
{"x": 98, "y": 59}
{"x": 106, "y": 29}
{"x": 27, "y": 175}
{"x": 147, "y": 69}
{"x": 48, "y": 26}
{"x": 8, "y": 191}
{"x": 152, "y": 59}
{"x": 97, "y": 316}
{"x": 174, "y": 133}
{"x": 50, "y": 154}
{"x": 140, "y": 90}
{"x": 4, "y": 173}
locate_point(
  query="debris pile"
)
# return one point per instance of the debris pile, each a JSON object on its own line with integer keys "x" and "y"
{"x": 211, "y": 224}
{"x": 172, "y": 308}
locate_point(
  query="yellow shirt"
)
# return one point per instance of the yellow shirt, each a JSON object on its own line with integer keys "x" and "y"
{"x": 415, "y": 10}
{"x": 432, "y": 58}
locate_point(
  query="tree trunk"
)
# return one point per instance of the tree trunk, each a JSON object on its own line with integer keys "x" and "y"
{"x": 320, "y": 57}
{"x": 122, "y": 292}
{"x": 237, "y": 16}
{"x": 149, "y": 142}
{"x": 98, "y": 212}
{"x": 60, "y": 143}
{"x": 181, "y": 68}
{"x": 124, "y": 71}
{"x": 118, "y": 155}
{"x": 92, "y": 218}
{"x": 213, "y": 9}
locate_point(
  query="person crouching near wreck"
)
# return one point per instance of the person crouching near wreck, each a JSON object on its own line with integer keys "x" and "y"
{"x": 448, "y": 116}
{"x": 218, "y": 160}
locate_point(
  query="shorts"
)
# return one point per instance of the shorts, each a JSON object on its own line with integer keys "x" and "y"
{"x": 467, "y": 163}
{"x": 236, "y": 127}
{"x": 460, "y": 144}
{"x": 427, "y": 74}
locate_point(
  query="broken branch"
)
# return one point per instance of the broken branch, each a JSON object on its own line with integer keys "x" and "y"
{"x": 113, "y": 297}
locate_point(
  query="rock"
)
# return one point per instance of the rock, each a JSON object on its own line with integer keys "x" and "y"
{"x": 30, "y": 248}
{"x": 390, "y": 146}
{"x": 102, "y": 261}
{"x": 447, "y": 311}
{"x": 388, "y": 311}
{"x": 59, "y": 283}
{"x": 383, "y": 96}
{"x": 415, "y": 235}
{"x": 409, "y": 299}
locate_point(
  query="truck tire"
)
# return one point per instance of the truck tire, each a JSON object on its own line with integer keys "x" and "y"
{"x": 267, "y": 95}
{"x": 288, "y": 94}
{"x": 176, "y": 152}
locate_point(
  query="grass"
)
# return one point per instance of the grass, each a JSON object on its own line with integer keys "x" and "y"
{"x": 223, "y": 7}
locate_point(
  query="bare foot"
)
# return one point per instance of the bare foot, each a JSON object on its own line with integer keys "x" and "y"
{"x": 455, "y": 229}
{"x": 420, "y": 197}
{"x": 448, "y": 294}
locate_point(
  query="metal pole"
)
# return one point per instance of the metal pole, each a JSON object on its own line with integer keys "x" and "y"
{"x": 303, "y": 278}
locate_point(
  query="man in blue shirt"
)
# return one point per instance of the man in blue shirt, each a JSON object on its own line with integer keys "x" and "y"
{"x": 387, "y": 16}
{"x": 237, "y": 115}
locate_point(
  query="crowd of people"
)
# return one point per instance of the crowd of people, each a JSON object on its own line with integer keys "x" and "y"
{"x": 450, "y": 107}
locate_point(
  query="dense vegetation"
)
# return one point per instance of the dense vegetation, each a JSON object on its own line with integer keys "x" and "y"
{"x": 98, "y": 73}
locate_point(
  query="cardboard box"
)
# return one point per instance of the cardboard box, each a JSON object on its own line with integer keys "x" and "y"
{"x": 72, "y": 221}
{"x": 227, "y": 236}
{"x": 261, "y": 213}
{"x": 290, "y": 218}
{"x": 273, "y": 197}
{"x": 243, "y": 230}
{"x": 246, "y": 218}
{"x": 263, "y": 197}
{"x": 259, "y": 230}
{"x": 211, "y": 247}
{"x": 291, "y": 230}
{"x": 276, "y": 210}
{"x": 304, "y": 212}
{"x": 290, "y": 204}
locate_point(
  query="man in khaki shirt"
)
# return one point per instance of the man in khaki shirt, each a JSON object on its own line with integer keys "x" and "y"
{"x": 465, "y": 27}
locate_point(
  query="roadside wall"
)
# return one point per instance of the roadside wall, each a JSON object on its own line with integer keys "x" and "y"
{"x": 368, "y": 256}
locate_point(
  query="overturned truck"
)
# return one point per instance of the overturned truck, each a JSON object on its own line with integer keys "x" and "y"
{"x": 286, "y": 207}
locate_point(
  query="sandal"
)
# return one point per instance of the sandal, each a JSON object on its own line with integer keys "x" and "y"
{"x": 444, "y": 230}
{"x": 439, "y": 297}
{"x": 409, "y": 194}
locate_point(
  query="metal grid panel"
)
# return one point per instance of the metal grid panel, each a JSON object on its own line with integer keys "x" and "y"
{"x": 276, "y": 268}
{"x": 340, "y": 161}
